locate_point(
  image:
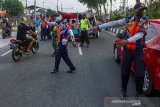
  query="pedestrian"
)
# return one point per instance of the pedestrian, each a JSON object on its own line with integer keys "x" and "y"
{"x": 133, "y": 42}
{"x": 43, "y": 28}
{"x": 48, "y": 28}
{"x": 53, "y": 33}
{"x": 38, "y": 23}
{"x": 62, "y": 33}
{"x": 84, "y": 26}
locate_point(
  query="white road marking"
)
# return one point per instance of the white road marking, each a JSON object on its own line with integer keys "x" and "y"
{"x": 6, "y": 53}
{"x": 110, "y": 33}
{"x": 80, "y": 50}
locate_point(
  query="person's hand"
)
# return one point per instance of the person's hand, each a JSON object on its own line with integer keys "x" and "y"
{"x": 74, "y": 44}
{"x": 122, "y": 43}
{"x": 95, "y": 28}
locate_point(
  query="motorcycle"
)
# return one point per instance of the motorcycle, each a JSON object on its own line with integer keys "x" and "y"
{"x": 6, "y": 32}
{"x": 20, "y": 47}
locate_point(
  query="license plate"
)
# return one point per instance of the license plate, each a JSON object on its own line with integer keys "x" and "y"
{"x": 12, "y": 46}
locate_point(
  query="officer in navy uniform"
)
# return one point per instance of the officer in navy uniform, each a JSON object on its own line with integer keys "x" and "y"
{"x": 133, "y": 42}
{"x": 62, "y": 34}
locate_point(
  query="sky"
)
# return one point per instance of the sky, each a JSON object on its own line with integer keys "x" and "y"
{"x": 70, "y": 5}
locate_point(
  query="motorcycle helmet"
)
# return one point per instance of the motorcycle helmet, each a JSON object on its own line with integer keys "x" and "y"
{"x": 24, "y": 20}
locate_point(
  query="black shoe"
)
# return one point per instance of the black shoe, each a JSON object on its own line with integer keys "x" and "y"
{"x": 53, "y": 55}
{"x": 87, "y": 45}
{"x": 55, "y": 71}
{"x": 138, "y": 94}
{"x": 123, "y": 93}
{"x": 81, "y": 45}
{"x": 71, "y": 70}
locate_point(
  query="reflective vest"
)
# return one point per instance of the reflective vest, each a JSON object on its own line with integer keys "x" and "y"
{"x": 132, "y": 28}
{"x": 54, "y": 28}
{"x": 62, "y": 32}
{"x": 84, "y": 24}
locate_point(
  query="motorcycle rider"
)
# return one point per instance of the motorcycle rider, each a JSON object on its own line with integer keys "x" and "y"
{"x": 62, "y": 34}
{"x": 22, "y": 31}
{"x": 6, "y": 28}
{"x": 133, "y": 42}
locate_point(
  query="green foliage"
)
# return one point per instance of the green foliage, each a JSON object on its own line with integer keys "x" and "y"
{"x": 42, "y": 10}
{"x": 116, "y": 16}
{"x": 14, "y": 7}
{"x": 153, "y": 11}
{"x": 50, "y": 12}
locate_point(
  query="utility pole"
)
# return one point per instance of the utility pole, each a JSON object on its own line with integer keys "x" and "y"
{"x": 34, "y": 8}
{"x": 107, "y": 7}
{"x": 26, "y": 3}
{"x": 57, "y": 5}
{"x": 43, "y": 7}
{"x": 61, "y": 8}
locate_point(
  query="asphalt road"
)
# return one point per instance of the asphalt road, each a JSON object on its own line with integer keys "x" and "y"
{"x": 29, "y": 83}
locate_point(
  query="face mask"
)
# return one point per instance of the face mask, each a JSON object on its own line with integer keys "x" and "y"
{"x": 139, "y": 14}
{"x": 58, "y": 19}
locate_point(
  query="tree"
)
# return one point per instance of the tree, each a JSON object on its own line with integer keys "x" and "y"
{"x": 93, "y": 4}
{"x": 50, "y": 12}
{"x": 14, "y": 7}
{"x": 153, "y": 10}
{"x": 42, "y": 10}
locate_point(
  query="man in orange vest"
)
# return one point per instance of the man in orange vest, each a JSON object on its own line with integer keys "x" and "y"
{"x": 133, "y": 43}
{"x": 48, "y": 28}
{"x": 43, "y": 28}
{"x": 62, "y": 51}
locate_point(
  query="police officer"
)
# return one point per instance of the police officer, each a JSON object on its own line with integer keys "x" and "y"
{"x": 62, "y": 34}
{"x": 53, "y": 34}
{"x": 133, "y": 43}
{"x": 84, "y": 26}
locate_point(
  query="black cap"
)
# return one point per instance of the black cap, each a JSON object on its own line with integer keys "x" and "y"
{"x": 140, "y": 6}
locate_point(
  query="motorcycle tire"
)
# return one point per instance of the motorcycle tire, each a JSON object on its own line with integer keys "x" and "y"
{"x": 16, "y": 54}
{"x": 35, "y": 47}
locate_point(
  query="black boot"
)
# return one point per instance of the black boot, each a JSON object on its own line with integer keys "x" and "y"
{"x": 87, "y": 45}
{"x": 124, "y": 79}
{"x": 139, "y": 86}
{"x": 81, "y": 45}
{"x": 55, "y": 71}
{"x": 71, "y": 70}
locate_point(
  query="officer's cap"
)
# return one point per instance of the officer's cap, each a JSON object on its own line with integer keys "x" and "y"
{"x": 140, "y": 6}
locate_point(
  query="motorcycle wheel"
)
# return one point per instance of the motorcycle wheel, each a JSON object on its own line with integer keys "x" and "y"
{"x": 35, "y": 47}
{"x": 16, "y": 54}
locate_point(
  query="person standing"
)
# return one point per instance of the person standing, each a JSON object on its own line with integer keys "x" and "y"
{"x": 133, "y": 42}
{"x": 84, "y": 26}
{"x": 43, "y": 28}
{"x": 62, "y": 52}
{"x": 48, "y": 28}
{"x": 38, "y": 23}
{"x": 53, "y": 34}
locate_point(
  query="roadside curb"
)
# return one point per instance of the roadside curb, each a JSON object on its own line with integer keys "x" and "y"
{"x": 114, "y": 30}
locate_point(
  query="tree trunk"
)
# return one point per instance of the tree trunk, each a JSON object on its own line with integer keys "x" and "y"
{"x": 137, "y": 1}
{"x": 100, "y": 10}
{"x": 111, "y": 8}
{"x": 97, "y": 9}
{"x": 105, "y": 10}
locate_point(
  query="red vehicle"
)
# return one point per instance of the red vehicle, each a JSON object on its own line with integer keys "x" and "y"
{"x": 151, "y": 57}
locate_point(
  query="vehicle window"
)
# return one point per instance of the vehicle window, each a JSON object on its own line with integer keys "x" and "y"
{"x": 151, "y": 32}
